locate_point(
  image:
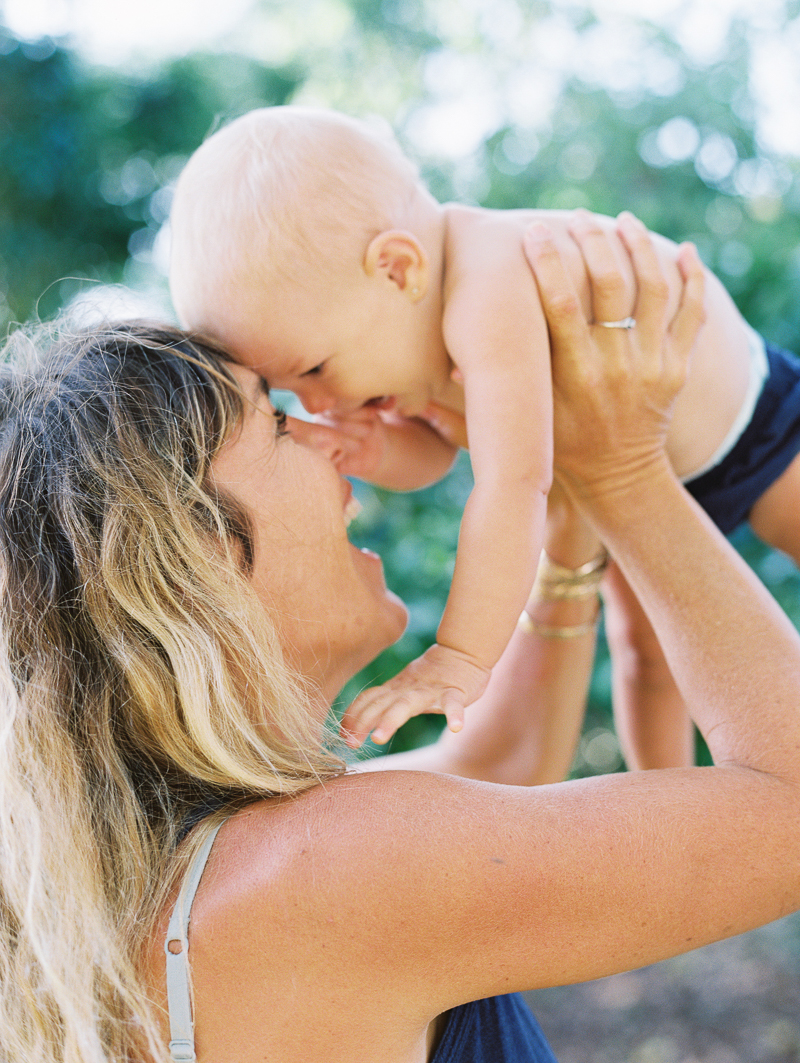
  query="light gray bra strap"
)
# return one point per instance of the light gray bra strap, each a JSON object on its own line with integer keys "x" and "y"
{"x": 179, "y": 1001}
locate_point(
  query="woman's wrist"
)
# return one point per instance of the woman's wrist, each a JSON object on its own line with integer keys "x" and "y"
{"x": 565, "y": 601}
{"x": 568, "y": 541}
{"x": 612, "y": 503}
{"x": 556, "y": 582}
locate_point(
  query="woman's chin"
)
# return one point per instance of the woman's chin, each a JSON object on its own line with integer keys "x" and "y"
{"x": 401, "y": 611}
{"x": 392, "y": 608}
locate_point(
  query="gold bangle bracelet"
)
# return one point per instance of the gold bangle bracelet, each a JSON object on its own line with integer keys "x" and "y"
{"x": 561, "y": 572}
{"x": 548, "y": 631}
{"x": 566, "y": 591}
{"x": 554, "y": 582}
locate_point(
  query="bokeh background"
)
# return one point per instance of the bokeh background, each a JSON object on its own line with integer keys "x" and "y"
{"x": 684, "y": 111}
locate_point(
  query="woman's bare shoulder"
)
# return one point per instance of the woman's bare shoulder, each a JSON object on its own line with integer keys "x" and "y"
{"x": 333, "y": 819}
{"x": 283, "y": 863}
{"x": 306, "y": 892}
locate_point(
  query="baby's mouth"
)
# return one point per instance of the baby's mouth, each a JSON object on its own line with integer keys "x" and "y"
{"x": 383, "y": 402}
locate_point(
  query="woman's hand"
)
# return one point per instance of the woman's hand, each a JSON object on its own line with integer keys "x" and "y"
{"x": 614, "y": 388}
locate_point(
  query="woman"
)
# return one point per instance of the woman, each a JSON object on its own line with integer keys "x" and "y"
{"x": 162, "y": 540}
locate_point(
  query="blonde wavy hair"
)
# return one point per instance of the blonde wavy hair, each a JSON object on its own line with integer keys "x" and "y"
{"x": 139, "y": 676}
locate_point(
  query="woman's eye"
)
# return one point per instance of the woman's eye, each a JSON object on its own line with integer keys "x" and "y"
{"x": 281, "y": 428}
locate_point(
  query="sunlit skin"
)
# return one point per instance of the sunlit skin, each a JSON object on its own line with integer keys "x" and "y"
{"x": 419, "y": 322}
{"x": 279, "y": 470}
{"x": 370, "y": 341}
{"x": 482, "y": 889}
{"x": 366, "y": 338}
{"x": 375, "y": 337}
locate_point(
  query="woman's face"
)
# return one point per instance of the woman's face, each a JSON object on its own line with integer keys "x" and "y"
{"x": 328, "y": 598}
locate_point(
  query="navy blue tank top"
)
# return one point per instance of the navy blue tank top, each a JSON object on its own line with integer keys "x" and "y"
{"x": 495, "y": 1030}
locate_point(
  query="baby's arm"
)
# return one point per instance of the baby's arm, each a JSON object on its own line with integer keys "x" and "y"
{"x": 506, "y": 374}
{"x": 398, "y": 453}
{"x": 524, "y": 730}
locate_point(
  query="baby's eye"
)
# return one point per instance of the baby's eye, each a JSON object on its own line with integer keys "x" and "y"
{"x": 281, "y": 428}
{"x": 315, "y": 371}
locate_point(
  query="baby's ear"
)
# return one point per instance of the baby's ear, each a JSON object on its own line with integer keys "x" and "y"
{"x": 400, "y": 258}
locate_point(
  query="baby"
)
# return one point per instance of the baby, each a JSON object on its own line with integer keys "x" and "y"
{"x": 305, "y": 242}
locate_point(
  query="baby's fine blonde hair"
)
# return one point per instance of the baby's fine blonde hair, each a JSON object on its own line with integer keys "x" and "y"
{"x": 276, "y": 191}
{"x": 139, "y": 675}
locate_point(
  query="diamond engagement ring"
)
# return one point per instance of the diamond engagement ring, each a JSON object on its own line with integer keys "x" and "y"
{"x": 627, "y": 322}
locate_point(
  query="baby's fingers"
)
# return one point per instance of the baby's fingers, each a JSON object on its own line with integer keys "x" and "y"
{"x": 383, "y": 710}
{"x": 360, "y": 716}
{"x": 381, "y": 707}
{"x": 451, "y": 704}
{"x": 391, "y": 721}
{"x": 451, "y": 426}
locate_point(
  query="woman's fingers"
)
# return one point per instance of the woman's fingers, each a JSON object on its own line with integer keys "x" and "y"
{"x": 652, "y": 295}
{"x": 691, "y": 313}
{"x": 613, "y": 388}
{"x": 565, "y": 320}
{"x": 611, "y": 295}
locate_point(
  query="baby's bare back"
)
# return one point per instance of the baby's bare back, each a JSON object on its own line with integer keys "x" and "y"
{"x": 719, "y": 371}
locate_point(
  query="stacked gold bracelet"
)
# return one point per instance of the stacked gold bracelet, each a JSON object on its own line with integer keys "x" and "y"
{"x": 556, "y": 583}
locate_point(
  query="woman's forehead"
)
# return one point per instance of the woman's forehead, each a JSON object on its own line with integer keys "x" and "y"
{"x": 253, "y": 386}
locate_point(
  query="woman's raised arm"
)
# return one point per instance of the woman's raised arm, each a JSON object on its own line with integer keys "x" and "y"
{"x": 704, "y": 603}
{"x": 561, "y": 883}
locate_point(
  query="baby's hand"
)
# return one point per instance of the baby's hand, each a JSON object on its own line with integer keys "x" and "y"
{"x": 450, "y": 425}
{"x": 441, "y": 680}
{"x": 362, "y": 439}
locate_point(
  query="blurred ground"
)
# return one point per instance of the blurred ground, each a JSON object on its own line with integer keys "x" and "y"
{"x": 734, "y": 1002}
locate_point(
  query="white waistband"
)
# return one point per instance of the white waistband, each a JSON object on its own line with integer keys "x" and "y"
{"x": 759, "y": 371}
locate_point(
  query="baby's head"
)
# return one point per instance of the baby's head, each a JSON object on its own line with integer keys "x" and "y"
{"x": 303, "y": 239}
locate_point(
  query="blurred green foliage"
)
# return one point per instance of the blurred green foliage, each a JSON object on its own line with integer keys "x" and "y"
{"x": 88, "y": 156}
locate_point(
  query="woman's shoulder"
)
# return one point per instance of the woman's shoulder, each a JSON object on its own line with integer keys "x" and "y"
{"x": 274, "y": 838}
{"x": 296, "y": 891}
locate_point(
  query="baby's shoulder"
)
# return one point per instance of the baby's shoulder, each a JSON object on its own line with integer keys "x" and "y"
{"x": 469, "y": 227}
{"x": 462, "y": 220}
{"x": 479, "y": 239}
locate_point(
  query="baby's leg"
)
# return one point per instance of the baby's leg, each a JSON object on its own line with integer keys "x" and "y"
{"x": 775, "y": 518}
{"x": 653, "y": 726}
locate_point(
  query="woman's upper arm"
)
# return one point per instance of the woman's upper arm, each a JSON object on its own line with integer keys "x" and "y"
{"x": 440, "y": 890}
